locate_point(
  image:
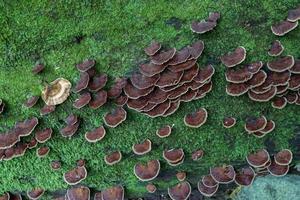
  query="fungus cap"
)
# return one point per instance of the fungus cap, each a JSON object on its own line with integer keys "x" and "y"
{"x": 181, "y": 176}
{"x": 203, "y": 26}
{"x": 83, "y": 100}
{"x": 95, "y": 135}
{"x": 207, "y": 191}
{"x": 283, "y": 157}
{"x": 115, "y": 118}
{"x": 135, "y": 93}
{"x": 151, "y": 188}
{"x": 44, "y": 135}
{"x": 198, "y": 154}
{"x": 245, "y": 176}
{"x": 78, "y": 193}
{"x": 141, "y": 81}
{"x": 83, "y": 82}
{"x": 113, "y": 193}
{"x": 237, "y": 89}
{"x": 234, "y": 58}
{"x": 283, "y": 27}
{"x": 208, "y": 181}
{"x": 98, "y": 99}
{"x": 113, "y": 158}
{"x": 229, "y": 122}
{"x": 196, "y": 49}
{"x": 204, "y": 74}
{"x": 31, "y": 101}
{"x": 151, "y": 69}
{"x": 169, "y": 78}
{"x": 47, "y": 109}
{"x": 97, "y": 82}
{"x": 296, "y": 67}
{"x": 147, "y": 172}
{"x": 153, "y": 48}
{"x": 278, "y": 170}
{"x": 56, "y": 92}
{"x": 159, "y": 109}
{"x": 116, "y": 89}
{"x": 257, "y": 79}
{"x": 182, "y": 66}
{"x": 35, "y": 193}
{"x": 69, "y": 130}
{"x": 71, "y": 119}
{"x": 196, "y": 119}
{"x": 42, "y": 151}
{"x": 181, "y": 191}
{"x": 163, "y": 56}
{"x": 255, "y": 124}
{"x": 263, "y": 97}
{"x": 276, "y": 48}
{"x": 55, "y": 164}
{"x": 164, "y": 131}
{"x": 279, "y": 102}
{"x": 86, "y": 65}
{"x": 180, "y": 56}
{"x": 294, "y": 15}
{"x": 224, "y": 174}
{"x": 294, "y": 82}
{"x": 281, "y": 64}
{"x": 75, "y": 176}
{"x": 269, "y": 127}
{"x": 173, "y": 155}
{"x": 142, "y": 148}
{"x": 238, "y": 76}
{"x": 258, "y": 159}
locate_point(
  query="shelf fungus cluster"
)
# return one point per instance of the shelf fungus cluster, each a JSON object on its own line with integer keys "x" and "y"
{"x": 169, "y": 78}
{"x": 276, "y": 165}
{"x": 290, "y": 23}
{"x": 278, "y": 81}
{"x": 259, "y": 126}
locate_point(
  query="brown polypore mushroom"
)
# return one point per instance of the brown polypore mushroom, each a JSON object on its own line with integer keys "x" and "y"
{"x": 44, "y": 135}
{"x": 207, "y": 191}
{"x": 294, "y": 15}
{"x": 164, "y": 131}
{"x": 55, "y": 164}
{"x": 281, "y": 64}
{"x": 238, "y": 76}
{"x": 245, "y": 176}
{"x": 151, "y": 188}
{"x": 257, "y": 79}
{"x": 97, "y": 82}
{"x": 208, "y": 181}
{"x": 95, "y": 135}
{"x": 258, "y": 159}
{"x": 71, "y": 119}
{"x": 180, "y": 56}
{"x": 237, "y": 89}
{"x": 5, "y": 196}
{"x": 181, "y": 191}
{"x": 276, "y": 48}
{"x": 214, "y": 16}
{"x": 182, "y": 66}
{"x": 196, "y": 49}
{"x": 75, "y": 175}
{"x": 163, "y": 56}
{"x": 117, "y": 87}
{"x": 283, "y": 27}
{"x": 204, "y": 74}
{"x": 159, "y": 109}
{"x": 151, "y": 69}
{"x": 114, "y": 118}
{"x": 255, "y": 124}
{"x": 279, "y": 102}
{"x": 47, "y": 109}
{"x": 198, "y": 154}
{"x": 147, "y": 172}
{"x": 229, "y": 122}
{"x": 42, "y": 151}
{"x": 291, "y": 97}
{"x": 142, "y": 148}
{"x": 135, "y": 93}
{"x": 69, "y": 130}
{"x": 31, "y": 101}
{"x": 296, "y": 67}
{"x": 196, "y": 119}
{"x": 203, "y": 26}
{"x": 56, "y": 92}
{"x": 181, "y": 176}
{"x": 121, "y": 100}
{"x": 278, "y": 170}
{"x": 294, "y": 82}
{"x": 35, "y": 193}
{"x": 234, "y": 58}
{"x": 264, "y": 96}
{"x": 173, "y": 156}
{"x": 113, "y": 158}
{"x": 98, "y": 100}
{"x": 168, "y": 78}
{"x": 153, "y": 48}
{"x": 80, "y": 162}
{"x": 83, "y": 100}
{"x": 86, "y": 65}
{"x": 113, "y": 193}
{"x": 25, "y": 128}
{"x": 283, "y": 157}
{"x": 224, "y": 174}
{"x": 78, "y": 193}
{"x": 83, "y": 82}
{"x": 16, "y": 196}
{"x": 141, "y": 81}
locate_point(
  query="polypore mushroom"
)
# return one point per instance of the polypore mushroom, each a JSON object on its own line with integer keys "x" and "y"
{"x": 237, "y": 89}
{"x": 229, "y": 122}
{"x": 198, "y": 154}
{"x": 280, "y": 78}
{"x": 97, "y": 196}
{"x": 121, "y": 100}
{"x": 173, "y": 156}
{"x": 238, "y": 76}
{"x": 35, "y": 193}
{"x": 234, "y": 58}
{"x": 5, "y": 196}
{"x": 86, "y": 65}
{"x": 276, "y": 48}
{"x": 95, "y": 135}
{"x": 157, "y": 96}
{"x": 279, "y": 102}
{"x": 98, "y": 100}
{"x": 141, "y": 81}
{"x": 44, "y": 135}
{"x": 55, "y": 164}
{"x": 31, "y": 101}
{"x": 83, "y": 100}
{"x": 181, "y": 176}
{"x": 75, "y": 176}
{"x": 115, "y": 118}
{"x": 182, "y": 66}
{"x": 283, "y": 157}
{"x": 208, "y": 181}
{"x": 257, "y": 79}
{"x": 113, "y": 158}
{"x": 97, "y": 82}
{"x": 254, "y": 124}
{"x": 142, "y": 148}
{"x": 163, "y": 56}
{"x": 69, "y": 130}
{"x": 245, "y": 176}
{"x": 135, "y": 93}
{"x": 71, "y": 119}
{"x": 151, "y": 69}
{"x": 224, "y": 174}
{"x": 294, "y": 82}
{"x": 214, "y": 16}
{"x": 164, "y": 131}
{"x": 281, "y": 64}
{"x": 264, "y": 96}
{"x": 203, "y": 26}
{"x": 32, "y": 143}
{"x": 159, "y": 109}
{"x": 196, "y": 49}
{"x": 78, "y": 193}
{"x": 47, "y": 109}
{"x": 258, "y": 159}
{"x": 25, "y": 128}
{"x": 42, "y": 151}
{"x": 147, "y": 172}
{"x": 151, "y": 188}
{"x": 117, "y": 87}
{"x": 196, "y": 119}
{"x": 181, "y": 191}
{"x": 38, "y": 68}
{"x": 56, "y": 92}
{"x": 169, "y": 78}
{"x": 283, "y": 27}
{"x": 16, "y": 196}
{"x": 294, "y": 15}
{"x": 137, "y": 104}
{"x": 296, "y": 67}
{"x": 207, "y": 191}
{"x": 180, "y": 56}
{"x": 278, "y": 170}
{"x": 172, "y": 109}
{"x": 113, "y": 193}
{"x": 204, "y": 74}
{"x": 81, "y": 162}
{"x": 153, "y": 48}
{"x": 83, "y": 82}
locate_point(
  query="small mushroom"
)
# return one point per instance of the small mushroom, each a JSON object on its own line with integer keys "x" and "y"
{"x": 279, "y": 102}
{"x": 142, "y": 148}
{"x": 224, "y": 174}
{"x": 75, "y": 176}
{"x": 97, "y": 82}
{"x": 281, "y": 64}
{"x": 151, "y": 69}
{"x": 147, "y": 172}
{"x": 234, "y": 58}
{"x": 264, "y": 96}
{"x": 78, "y": 193}
{"x": 95, "y": 135}
{"x": 276, "y": 48}
{"x": 81, "y": 162}
{"x": 237, "y": 89}
{"x": 283, "y": 27}
{"x": 83, "y": 82}
{"x": 98, "y": 100}
{"x": 164, "y": 131}
{"x": 283, "y": 157}
{"x": 278, "y": 170}
{"x": 181, "y": 191}
{"x": 135, "y": 93}
{"x": 207, "y": 191}
{"x": 196, "y": 49}
{"x": 257, "y": 79}
{"x": 198, "y": 154}
{"x": 182, "y": 66}
{"x": 44, "y": 135}
{"x": 86, "y": 65}
{"x": 56, "y": 92}
{"x": 141, "y": 81}
{"x": 113, "y": 193}
{"x": 169, "y": 78}
{"x": 208, "y": 181}
{"x": 254, "y": 124}
{"x": 83, "y": 100}
{"x": 116, "y": 89}
{"x": 238, "y": 76}
{"x": 69, "y": 130}
{"x": 71, "y": 119}
{"x": 115, "y": 118}
{"x": 258, "y": 159}
{"x": 296, "y": 67}
{"x": 245, "y": 176}
{"x": 229, "y": 122}
{"x": 153, "y": 48}
{"x": 181, "y": 176}
{"x": 203, "y": 26}
{"x": 163, "y": 56}
{"x": 151, "y": 188}
{"x": 196, "y": 119}
{"x": 113, "y": 158}
{"x": 42, "y": 151}
{"x": 47, "y": 109}
{"x": 294, "y": 82}
{"x": 35, "y": 193}
{"x": 159, "y": 109}
{"x": 31, "y": 101}
{"x": 180, "y": 56}
{"x": 55, "y": 164}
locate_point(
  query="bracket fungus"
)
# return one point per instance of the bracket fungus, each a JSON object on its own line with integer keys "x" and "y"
{"x": 245, "y": 176}
{"x": 278, "y": 170}
{"x": 198, "y": 154}
{"x": 95, "y": 135}
{"x": 224, "y": 174}
{"x": 113, "y": 193}
{"x": 294, "y": 15}
{"x": 173, "y": 156}
{"x": 35, "y": 193}
{"x": 31, "y": 101}
{"x": 153, "y": 48}
{"x": 276, "y": 48}
{"x": 98, "y": 99}
{"x": 115, "y": 118}
{"x": 208, "y": 181}
{"x": 281, "y": 64}
{"x": 42, "y": 151}
{"x": 181, "y": 191}
{"x": 85, "y": 65}
{"x": 44, "y": 135}
{"x": 207, "y": 191}
{"x": 148, "y": 171}
{"x": 181, "y": 176}
{"x": 283, "y": 27}
{"x": 97, "y": 82}
{"x": 163, "y": 56}
{"x": 207, "y": 25}
{"x": 234, "y": 58}
{"x": 164, "y": 131}
{"x": 279, "y": 102}
{"x": 78, "y": 193}
{"x": 70, "y": 129}
{"x": 116, "y": 89}
{"x": 237, "y": 89}
{"x": 113, "y": 158}
{"x": 83, "y": 100}
{"x": 196, "y": 119}
{"x": 151, "y": 188}
{"x": 254, "y": 124}
{"x": 55, "y": 164}
{"x": 56, "y": 92}
{"x": 229, "y": 122}
{"x": 141, "y": 81}
{"x": 47, "y": 109}
{"x": 258, "y": 159}
{"x": 75, "y": 176}
{"x": 283, "y": 157}
{"x": 142, "y": 148}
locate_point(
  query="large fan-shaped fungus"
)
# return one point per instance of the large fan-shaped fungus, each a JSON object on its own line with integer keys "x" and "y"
{"x": 234, "y": 58}
{"x": 78, "y": 193}
{"x": 245, "y": 176}
{"x": 258, "y": 159}
{"x": 147, "y": 172}
{"x": 196, "y": 119}
{"x": 224, "y": 174}
{"x": 181, "y": 191}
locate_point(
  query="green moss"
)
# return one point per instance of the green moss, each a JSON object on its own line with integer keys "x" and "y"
{"x": 115, "y": 33}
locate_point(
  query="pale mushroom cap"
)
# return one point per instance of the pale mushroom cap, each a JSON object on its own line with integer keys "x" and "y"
{"x": 57, "y": 92}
